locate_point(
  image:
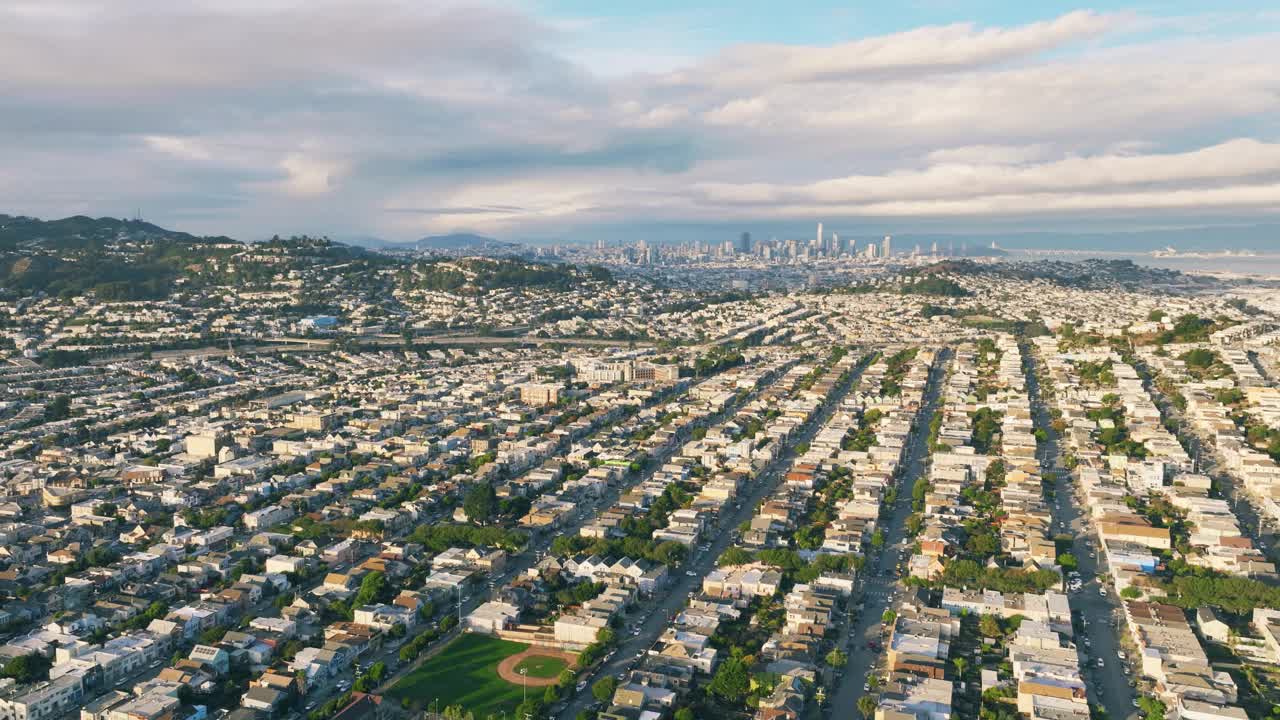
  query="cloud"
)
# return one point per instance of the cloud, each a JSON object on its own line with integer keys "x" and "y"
{"x": 505, "y": 209}
{"x": 996, "y": 154}
{"x": 751, "y": 111}
{"x": 308, "y": 175}
{"x": 1236, "y": 160}
{"x": 925, "y": 50}
{"x": 640, "y": 152}
{"x": 1239, "y": 174}
{"x": 184, "y": 148}
{"x": 392, "y": 117}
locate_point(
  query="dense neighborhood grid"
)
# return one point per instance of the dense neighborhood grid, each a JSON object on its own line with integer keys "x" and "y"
{"x": 301, "y": 480}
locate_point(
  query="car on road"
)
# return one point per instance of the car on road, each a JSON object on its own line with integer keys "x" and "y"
{"x": 1101, "y": 663}
{"x": 1102, "y": 591}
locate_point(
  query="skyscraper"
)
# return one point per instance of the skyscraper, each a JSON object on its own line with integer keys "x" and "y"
{"x": 744, "y": 242}
{"x": 819, "y": 234}
{"x": 887, "y": 246}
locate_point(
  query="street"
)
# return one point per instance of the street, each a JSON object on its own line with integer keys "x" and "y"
{"x": 879, "y": 585}
{"x": 1108, "y": 685}
{"x": 656, "y": 618}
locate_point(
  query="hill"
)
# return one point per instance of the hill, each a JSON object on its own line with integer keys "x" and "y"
{"x": 135, "y": 260}
{"x": 80, "y": 232}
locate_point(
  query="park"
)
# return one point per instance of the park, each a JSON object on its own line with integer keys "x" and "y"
{"x": 485, "y": 676}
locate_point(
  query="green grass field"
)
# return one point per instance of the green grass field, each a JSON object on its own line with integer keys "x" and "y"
{"x": 464, "y": 673}
{"x": 541, "y": 666}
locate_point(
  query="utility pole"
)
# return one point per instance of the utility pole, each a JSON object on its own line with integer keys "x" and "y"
{"x": 524, "y": 683}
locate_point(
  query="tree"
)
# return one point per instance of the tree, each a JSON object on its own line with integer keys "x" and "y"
{"x": 27, "y": 668}
{"x": 603, "y": 689}
{"x": 481, "y": 503}
{"x": 836, "y": 658}
{"x": 732, "y": 681}
{"x": 867, "y": 706}
{"x": 877, "y": 539}
{"x": 961, "y": 665}
{"x": 101, "y": 555}
{"x": 531, "y": 708}
{"x": 914, "y": 523}
{"x": 684, "y": 713}
{"x": 550, "y": 695}
{"x": 888, "y": 617}
{"x": 990, "y": 626}
{"x": 1068, "y": 561}
{"x": 1153, "y": 707}
{"x": 59, "y": 408}
{"x": 735, "y": 556}
{"x": 213, "y": 635}
{"x": 371, "y": 589}
{"x": 983, "y": 544}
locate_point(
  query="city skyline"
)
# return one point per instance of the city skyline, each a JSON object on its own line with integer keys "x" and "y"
{"x": 564, "y": 122}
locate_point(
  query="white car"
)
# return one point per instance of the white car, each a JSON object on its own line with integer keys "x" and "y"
{"x": 1102, "y": 591}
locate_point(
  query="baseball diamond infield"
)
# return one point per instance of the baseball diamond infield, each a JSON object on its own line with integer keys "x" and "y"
{"x": 508, "y": 668}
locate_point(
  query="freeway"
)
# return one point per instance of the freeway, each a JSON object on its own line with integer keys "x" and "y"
{"x": 880, "y": 585}
{"x": 642, "y": 633}
{"x": 1100, "y": 615}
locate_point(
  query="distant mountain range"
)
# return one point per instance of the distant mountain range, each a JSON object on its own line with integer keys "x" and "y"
{"x": 451, "y": 244}
{"x": 465, "y": 242}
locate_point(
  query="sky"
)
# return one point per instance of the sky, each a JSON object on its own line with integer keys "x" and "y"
{"x": 577, "y": 120}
